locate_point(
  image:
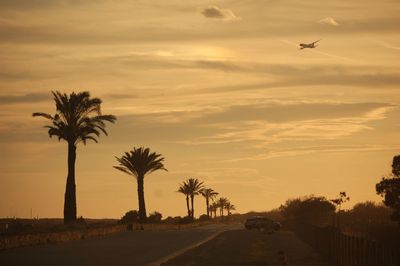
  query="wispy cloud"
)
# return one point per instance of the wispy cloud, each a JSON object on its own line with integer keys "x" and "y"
{"x": 329, "y": 21}
{"x": 262, "y": 133}
{"x": 25, "y": 98}
{"x": 386, "y": 45}
{"x": 218, "y": 13}
{"x": 313, "y": 149}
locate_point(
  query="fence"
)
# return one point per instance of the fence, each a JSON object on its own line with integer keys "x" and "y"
{"x": 346, "y": 250}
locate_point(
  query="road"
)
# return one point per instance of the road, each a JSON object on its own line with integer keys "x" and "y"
{"x": 250, "y": 248}
{"x": 149, "y": 247}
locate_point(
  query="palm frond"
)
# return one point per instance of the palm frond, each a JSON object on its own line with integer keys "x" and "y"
{"x": 78, "y": 117}
{"x": 140, "y": 162}
{"x": 48, "y": 116}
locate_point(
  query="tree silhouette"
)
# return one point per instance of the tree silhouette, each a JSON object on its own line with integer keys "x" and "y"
{"x": 338, "y": 202}
{"x": 208, "y": 194}
{"x": 229, "y": 207}
{"x": 139, "y": 162}
{"x": 309, "y": 209}
{"x": 214, "y": 208}
{"x": 185, "y": 190}
{"x": 77, "y": 119}
{"x": 194, "y": 187}
{"x": 389, "y": 189}
{"x": 221, "y": 202}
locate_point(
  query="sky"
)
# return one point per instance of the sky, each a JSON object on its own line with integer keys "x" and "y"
{"x": 219, "y": 88}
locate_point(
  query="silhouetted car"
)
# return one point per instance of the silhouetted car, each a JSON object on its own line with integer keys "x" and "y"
{"x": 262, "y": 223}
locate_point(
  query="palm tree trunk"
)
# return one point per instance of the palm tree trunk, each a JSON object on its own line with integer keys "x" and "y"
{"x": 192, "y": 200}
{"x": 187, "y": 205}
{"x": 208, "y": 208}
{"x": 70, "y": 191}
{"x": 142, "y": 205}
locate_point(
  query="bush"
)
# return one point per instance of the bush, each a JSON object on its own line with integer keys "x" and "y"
{"x": 186, "y": 220}
{"x": 204, "y": 217}
{"x": 311, "y": 209}
{"x": 130, "y": 217}
{"x": 172, "y": 220}
{"x": 154, "y": 217}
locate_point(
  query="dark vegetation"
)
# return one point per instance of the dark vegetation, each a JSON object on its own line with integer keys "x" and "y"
{"x": 389, "y": 189}
{"x": 193, "y": 187}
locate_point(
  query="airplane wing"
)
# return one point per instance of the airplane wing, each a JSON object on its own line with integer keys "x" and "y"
{"x": 316, "y": 42}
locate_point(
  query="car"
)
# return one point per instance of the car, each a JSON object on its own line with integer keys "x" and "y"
{"x": 262, "y": 223}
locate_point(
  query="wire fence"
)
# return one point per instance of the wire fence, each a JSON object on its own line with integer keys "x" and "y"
{"x": 346, "y": 250}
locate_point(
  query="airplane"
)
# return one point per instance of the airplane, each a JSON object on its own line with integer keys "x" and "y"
{"x": 308, "y": 45}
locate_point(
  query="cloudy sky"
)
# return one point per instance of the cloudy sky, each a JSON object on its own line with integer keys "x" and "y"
{"x": 220, "y": 88}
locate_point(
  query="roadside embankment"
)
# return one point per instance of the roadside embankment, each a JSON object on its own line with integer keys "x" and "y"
{"x": 21, "y": 240}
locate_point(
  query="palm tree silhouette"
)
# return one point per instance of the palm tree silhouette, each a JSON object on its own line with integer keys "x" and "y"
{"x": 214, "y": 208}
{"x": 139, "y": 162}
{"x": 184, "y": 189}
{"x": 221, "y": 202}
{"x": 229, "y": 207}
{"x": 208, "y": 194}
{"x": 194, "y": 187}
{"x": 78, "y": 118}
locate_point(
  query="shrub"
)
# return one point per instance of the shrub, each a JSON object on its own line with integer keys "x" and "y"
{"x": 204, "y": 217}
{"x": 154, "y": 217}
{"x": 310, "y": 209}
{"x": 130, "y": 217}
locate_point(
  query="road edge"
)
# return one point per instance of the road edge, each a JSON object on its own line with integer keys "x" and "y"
{"x": 186, "y": 249}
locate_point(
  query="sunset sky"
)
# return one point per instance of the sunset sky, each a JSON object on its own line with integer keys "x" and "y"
{"x": 219, "y": 88}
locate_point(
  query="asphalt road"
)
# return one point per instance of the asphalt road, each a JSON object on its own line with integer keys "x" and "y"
{"x": 250, "y": 248}
{"x": 129, "y": 248}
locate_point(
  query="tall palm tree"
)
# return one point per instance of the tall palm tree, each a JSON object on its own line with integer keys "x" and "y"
{"x": 184, "y": 189}
{"x": 194, "y": 186}
{"x": 221, "y": 205}
{"x": 139, "y": 162}
{"x": 77, "y": 119}
{"x": 208, "y": 194}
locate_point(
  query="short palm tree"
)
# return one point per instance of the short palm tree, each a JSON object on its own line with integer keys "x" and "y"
{"x": 221, "y": 205}
{"x": 208, "y": 194}
{"x": 214, "y": 208}
{"x": 77, "y": 119}
{"x": 184, "y": 189}
{"x": 139, "y": 162}
{"x": 194, "y": 186}
{"x": 229, "y": 207}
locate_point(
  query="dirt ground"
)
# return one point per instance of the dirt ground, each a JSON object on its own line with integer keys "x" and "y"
{"x": 252, "y": 248}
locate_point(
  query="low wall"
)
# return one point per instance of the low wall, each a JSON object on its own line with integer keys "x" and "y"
{"x": 15, "y": 241}
{"x": 55, "y": 237}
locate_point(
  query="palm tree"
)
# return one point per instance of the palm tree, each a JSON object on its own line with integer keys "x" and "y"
{"x": 194, "y": 187}
{"x": 139, "y": 162}
{"x": 184, "y": 189}
{"x": 208, "y": 194}
{"x": 221, "y": 202}
{"x": 77, "y": 119}
{"x": 229, "y": 207}
{"x": 214, "y": 208}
